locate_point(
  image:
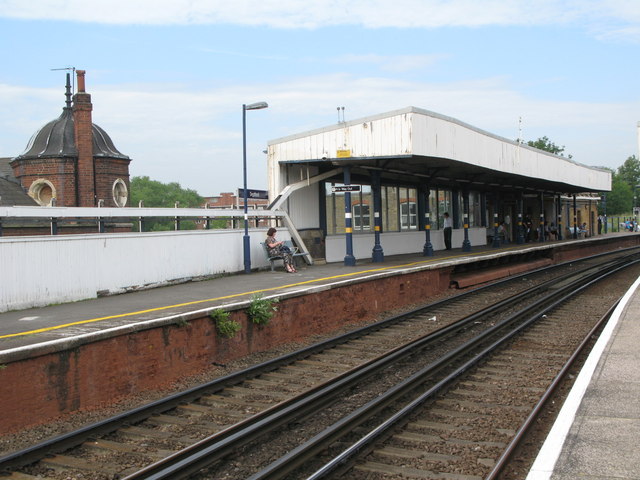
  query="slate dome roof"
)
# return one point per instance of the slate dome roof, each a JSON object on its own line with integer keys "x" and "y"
{"x": 57, "y": 139}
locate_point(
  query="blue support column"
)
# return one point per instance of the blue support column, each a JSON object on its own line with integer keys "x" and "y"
{"x": 349, "y": 259}
{"x": 559, "y": 202}
{"x": 541, "y": 235}
{"x": 604, "y": 212}
{"x": 483, "y": 210}
{"x": 466, "y": 244}
{"x": 520, "y": 233}
{"x": 496, "y": 207}
{"x": 496, "y": 237}
{"x": 427, "y": 250}
{"x": 377, "y": 254}
{"x": 575, "y": 218}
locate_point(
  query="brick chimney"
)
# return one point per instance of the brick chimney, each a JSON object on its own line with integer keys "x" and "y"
{"x": 83, "y": 129}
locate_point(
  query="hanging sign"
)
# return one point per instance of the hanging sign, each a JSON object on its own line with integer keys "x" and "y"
{"x": 345, "y": 188}
{"x": 259, "y": 194}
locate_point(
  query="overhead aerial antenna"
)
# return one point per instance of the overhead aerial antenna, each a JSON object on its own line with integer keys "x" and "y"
{"x": 73, "y": 77}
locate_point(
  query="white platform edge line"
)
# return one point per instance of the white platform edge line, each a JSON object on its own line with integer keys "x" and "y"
{"x": 545, "y": 462}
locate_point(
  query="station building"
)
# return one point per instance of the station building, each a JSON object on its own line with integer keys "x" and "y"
{"x": 381, "y": 185}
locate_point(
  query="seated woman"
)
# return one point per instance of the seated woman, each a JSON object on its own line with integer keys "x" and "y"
{"x": 277, "y": 248}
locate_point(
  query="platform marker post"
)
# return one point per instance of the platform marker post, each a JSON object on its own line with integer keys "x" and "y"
{"x": 377, "y": 255}
{"x": 496, "y": 238}
{"x": 427, "y": 250}
{"x": 349, "y": 259}
{"x": 466, "y": 244}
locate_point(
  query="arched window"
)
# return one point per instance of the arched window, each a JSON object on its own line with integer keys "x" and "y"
{"x": 42, "y": 191}
{"x": 120, "y": 193}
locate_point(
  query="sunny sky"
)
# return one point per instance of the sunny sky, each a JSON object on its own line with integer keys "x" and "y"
{"x": 168, "y": 77}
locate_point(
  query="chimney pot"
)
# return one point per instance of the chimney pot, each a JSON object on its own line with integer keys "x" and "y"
{"x": 80, "y": 76}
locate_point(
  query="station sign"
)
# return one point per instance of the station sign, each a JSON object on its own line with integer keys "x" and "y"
{"x": 257, "y": 194}
{"x": 345, "y": 188}
{"x": 343, "y": 153}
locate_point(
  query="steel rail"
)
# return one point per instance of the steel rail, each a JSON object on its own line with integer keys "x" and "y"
{"x": 211, "y": 449}
{"x": 312, "y": 447}
{"x": 537, "y": 409}
{"x": 246, "y": 431}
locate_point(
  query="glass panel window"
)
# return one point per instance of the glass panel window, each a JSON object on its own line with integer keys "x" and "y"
{"x": 361, "y": 217}
{"x": 335, "y": 209}
{"x": 391, "y": 215}
{"x": 361, "y": 209}
{"x": 408, "y": 209}
{"x": 444, "y": 205}
{"x": 433, "y": 208}
{"x": 475, "y": 219}
{"x": 365, "y": 199}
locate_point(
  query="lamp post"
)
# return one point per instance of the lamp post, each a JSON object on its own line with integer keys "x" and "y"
{"x": 245, "y": 238}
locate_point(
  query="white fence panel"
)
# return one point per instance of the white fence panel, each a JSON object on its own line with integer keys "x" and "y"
{"x": 39, "y": 271}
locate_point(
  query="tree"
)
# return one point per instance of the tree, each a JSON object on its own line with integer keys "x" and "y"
{"x": 547, "y": 145}
{"x": 158, "y": 194}
{"x": 629, "y": 171}
{"x": 620, "y": 198}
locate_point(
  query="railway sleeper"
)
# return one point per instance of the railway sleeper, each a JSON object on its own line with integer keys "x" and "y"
{"x": 421, "y": 438}
{"x": 20, "y": 476}
{"x": 402, "y": 453}
{"x": 397, "y": 471}
{"x": 64, "y": 463}
{"x": 104, "y": 446}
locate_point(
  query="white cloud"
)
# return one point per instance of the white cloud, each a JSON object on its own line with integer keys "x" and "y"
{"x": 392, "y": 63}
{"x": 195, "y": 137}
{"x": 621, "y": 15}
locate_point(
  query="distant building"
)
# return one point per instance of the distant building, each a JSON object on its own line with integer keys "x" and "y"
{"x": 69, "y": 162}
{"x": 231, "y": 201}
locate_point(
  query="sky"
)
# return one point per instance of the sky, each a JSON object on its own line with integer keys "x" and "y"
{"x": 168, "y": 78}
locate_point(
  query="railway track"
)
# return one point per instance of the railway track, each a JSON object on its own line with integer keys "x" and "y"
{"x": 186, "y": 433}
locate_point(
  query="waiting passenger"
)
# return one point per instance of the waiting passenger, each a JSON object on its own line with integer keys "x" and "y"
{"x": 553, "y": 231}
{"x": 503, "y": 233}
{"x": 277, "y": 248}
{"x": 582, "y": 229}
{"x": 448, "y": 225}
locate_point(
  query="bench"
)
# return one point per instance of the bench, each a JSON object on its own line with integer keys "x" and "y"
{"x": 581, "y": 233}
{"x": 271, "y": 259}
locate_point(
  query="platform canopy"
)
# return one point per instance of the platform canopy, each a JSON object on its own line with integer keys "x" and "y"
{"x": 415, "y": 146}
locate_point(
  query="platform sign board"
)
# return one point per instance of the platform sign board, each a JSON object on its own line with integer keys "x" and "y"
{"x": 343, "y": 153}
{"x": 345, "y": 188}
{"x": 257, "y": 194}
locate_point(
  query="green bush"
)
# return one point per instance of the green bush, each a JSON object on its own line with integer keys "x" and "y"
{"x": 261, "y": 310}
{"x": 224, "y": 324}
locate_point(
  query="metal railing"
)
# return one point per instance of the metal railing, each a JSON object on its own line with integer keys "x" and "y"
{"x": 96, "y": 218}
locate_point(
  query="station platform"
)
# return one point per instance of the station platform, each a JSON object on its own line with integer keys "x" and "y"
{"x": 594, "y": 437}
{"x": 29, "y": 328}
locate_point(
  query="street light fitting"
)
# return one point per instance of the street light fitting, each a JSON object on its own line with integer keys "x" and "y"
{"x": 256, "y": 106}
{"x": 245, "y": 239}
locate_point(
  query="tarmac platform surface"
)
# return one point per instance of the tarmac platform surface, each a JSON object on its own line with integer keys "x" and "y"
{"x": 594, "y": 437}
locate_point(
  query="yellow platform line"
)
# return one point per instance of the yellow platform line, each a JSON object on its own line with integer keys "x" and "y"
{"x": 254, "y": 292}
